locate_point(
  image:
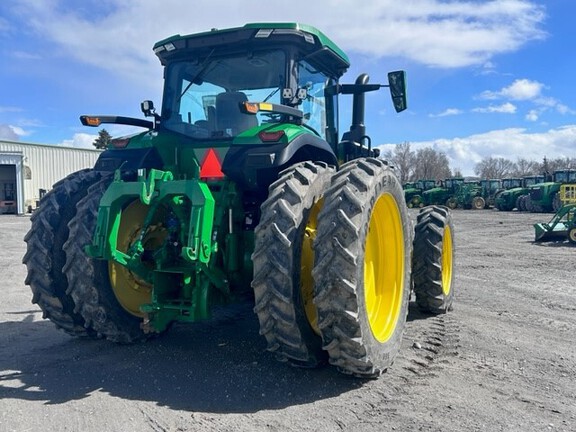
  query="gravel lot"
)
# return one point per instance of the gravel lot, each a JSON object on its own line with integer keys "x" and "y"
{"x": 503, "y": 360}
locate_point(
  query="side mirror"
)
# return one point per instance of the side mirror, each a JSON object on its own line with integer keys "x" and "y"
{"x": 397, "y": 84}
{"x": 147, "y": 108}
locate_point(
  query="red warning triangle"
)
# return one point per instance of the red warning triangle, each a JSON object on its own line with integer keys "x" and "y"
{"x": 211, "y": 166}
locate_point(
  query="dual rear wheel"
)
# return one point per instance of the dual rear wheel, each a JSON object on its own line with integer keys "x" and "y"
{"x": 332, "y": 266}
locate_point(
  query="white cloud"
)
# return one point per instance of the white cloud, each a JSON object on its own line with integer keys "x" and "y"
{"x": 447, "y": 112}
{"x": 532, "y": 115}
{"x": 8, "y": 132}
{"x": 8, "y": 109}
{"x": 521, "y": 89}
{"x": 512, "y": 143}
{"x": 505, "y": 108}
{"x": 80, "y": 140}
{"x": 431, "y": 32}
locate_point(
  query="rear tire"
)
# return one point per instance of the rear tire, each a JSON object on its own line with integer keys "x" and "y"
{"x": 283, "y": 260}
{"x": 362, "y": 268}
{"x": 433, "y": 260}
{"x": 89, "y": 279}
{"x": 45, "y": 258}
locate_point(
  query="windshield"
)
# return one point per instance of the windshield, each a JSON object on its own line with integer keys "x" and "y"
{"x": 202, "y": 98}
{"x": 564, "y": 176}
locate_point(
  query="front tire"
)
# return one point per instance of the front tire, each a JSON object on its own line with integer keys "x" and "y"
{"x": 572, "y": 235}
{"x": 362, "y": 268}
{"x": 45, "y": 258}
{"x": 478, "y": 203}
{"x": 433, "y": 260}
{"x": 283, "y": 261}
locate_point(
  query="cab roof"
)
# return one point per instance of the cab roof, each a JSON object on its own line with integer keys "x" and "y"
{"x": 310, "y": 42}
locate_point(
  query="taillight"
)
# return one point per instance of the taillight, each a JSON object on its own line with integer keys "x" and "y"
{"x": 120, "y": 142}
{"x": 271, "y": 136}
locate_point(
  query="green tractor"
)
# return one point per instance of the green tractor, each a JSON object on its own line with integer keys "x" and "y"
{"x": 545, "y": 197}
{"x": 561, "y": 226}
{"x": 478, "y": 195}
{"x": 514, "y": 193}
{"x": 445, "y": 194}
{"x": 413, "y": 192}
{"x": 240, "y": 190}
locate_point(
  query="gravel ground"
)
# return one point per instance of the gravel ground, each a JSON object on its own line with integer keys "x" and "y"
{"x": 503, "y": 360}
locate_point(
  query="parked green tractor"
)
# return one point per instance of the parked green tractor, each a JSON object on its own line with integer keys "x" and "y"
{"x": 513, "y": 197}
{"x": 445, "y": 194}
{"x": 478, "y": 195}
{"x": 413, "y": 192}
{"x": 241, "y": 189}
{"x": 545, "y": 197}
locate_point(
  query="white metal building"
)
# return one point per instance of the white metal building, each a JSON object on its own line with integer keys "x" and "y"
{"x": 27, "y": 168}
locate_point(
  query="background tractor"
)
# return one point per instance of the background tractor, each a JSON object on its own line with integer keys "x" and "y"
{"x": 545, "y": 196}
{"x": 413, "y": 192}
{"x": 513, "y": 197}
{"x": 241, "y": 189}
{"x": 445, "y": 194}
{"x": 478, "y": 195}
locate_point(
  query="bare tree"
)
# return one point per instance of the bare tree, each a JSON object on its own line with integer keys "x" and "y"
{"x": 494, "y": 168}
{"x": 560, "y": 164}
{"x": 431, "y": 164}
{"x": 402, "y": 157}
{"x": 525, "y": 167}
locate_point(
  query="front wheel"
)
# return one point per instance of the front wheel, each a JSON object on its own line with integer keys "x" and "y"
{"x": 433, "y": 260}
{"x": 362, "y": 268}
{"x": 572, "y": 235}
{"x": 478, "y": 203}
{"x": 451, "y": 203}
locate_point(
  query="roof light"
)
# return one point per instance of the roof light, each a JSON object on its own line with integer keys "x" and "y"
{"x": 264, "y": 33}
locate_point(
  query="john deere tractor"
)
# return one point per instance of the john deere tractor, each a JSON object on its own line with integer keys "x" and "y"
{"x": 241, "y": 189}
{"x": 444, "y": 194}
{"x": 515, "y": 193}
{"x": 413, "y": 192}
{"x": 545, "y": 196}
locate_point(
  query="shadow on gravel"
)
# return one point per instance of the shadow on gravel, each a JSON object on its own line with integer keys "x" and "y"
{"x": 217, "y": 366}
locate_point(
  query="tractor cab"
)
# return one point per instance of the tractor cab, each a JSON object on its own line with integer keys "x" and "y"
{"x": 247, "y": 102}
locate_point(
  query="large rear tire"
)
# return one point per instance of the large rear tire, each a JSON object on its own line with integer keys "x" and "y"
{"x": 283, "y": 261}
{"x": 362, "y": 268}
{"x": 90, "y": 279}
{"x": 433, "y": 260}
{"x": 45, "y": 258}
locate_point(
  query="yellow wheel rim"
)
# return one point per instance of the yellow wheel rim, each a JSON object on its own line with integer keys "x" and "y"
{"x": 447, "y": 261}
{"x": 131, "y": 291}
{"x": 384, "y": 268}
{"x": 306, "y": 265}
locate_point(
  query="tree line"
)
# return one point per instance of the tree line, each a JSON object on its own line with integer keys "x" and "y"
{"x": 429, "y": 163}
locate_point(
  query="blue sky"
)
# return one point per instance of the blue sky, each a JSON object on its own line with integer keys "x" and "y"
{"x": 485, "y": 78}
